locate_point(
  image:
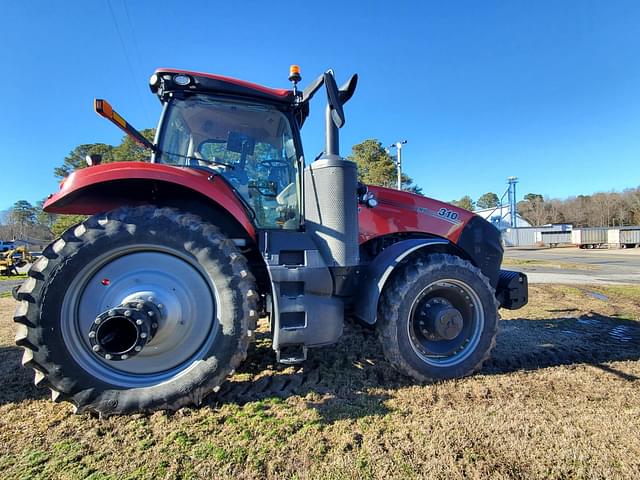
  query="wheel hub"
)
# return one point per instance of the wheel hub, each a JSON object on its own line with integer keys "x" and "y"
{"x": 187, "y": 317}
{"x": 122, "y": 332}
{"x": 444, "y": 321}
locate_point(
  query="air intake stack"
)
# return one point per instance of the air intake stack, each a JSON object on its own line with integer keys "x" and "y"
{"x": 331, "y": 183}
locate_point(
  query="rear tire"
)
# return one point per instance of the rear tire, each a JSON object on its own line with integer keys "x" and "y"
{"x": 209, "y": 307}
{"x": 407, "y": 329}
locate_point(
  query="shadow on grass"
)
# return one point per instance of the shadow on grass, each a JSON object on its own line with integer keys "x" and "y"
{"x": 342, "y": 379}
{"x": 17, "y": 382}
{"x": 594, "y": 339}
{"x": 352, "y": 374}
{"x": 352, "y": 379}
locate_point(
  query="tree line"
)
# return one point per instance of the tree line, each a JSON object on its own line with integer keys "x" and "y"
{"x": 601, "y": 209}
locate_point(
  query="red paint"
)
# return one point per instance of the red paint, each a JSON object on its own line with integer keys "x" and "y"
{"x": 105, "y": 282}
{"x": 276, "y": 92}
{"x": 73, "y": 197}
{"x": 403, "y": 212}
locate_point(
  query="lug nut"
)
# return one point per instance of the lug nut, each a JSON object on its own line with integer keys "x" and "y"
{"x": 150, "y": 314}
{"x": 140, "y": 305}
{"x": 138, "y": 348}
{"x": 124, "y": 357}
{"x": 143, "y": 335}
{"x": 107, "y": 356}
{"x": 97, "y": 321}
{"x": 92, "y": 334}
{"x": 138, "y": 322}
{"x": 127, "y": 313}
{"x": 112, "y": 313}
{"x": 96, "y": 348}
{"x": 154, "y": 325}
{"x": 160, "y": 305}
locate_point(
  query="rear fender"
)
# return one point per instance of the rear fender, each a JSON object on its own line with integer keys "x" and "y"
{"x": 104, "y": 187}
{"x": 381, "y": 268}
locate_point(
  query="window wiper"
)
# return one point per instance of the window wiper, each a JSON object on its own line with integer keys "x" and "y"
{"x": 210, "y": 162}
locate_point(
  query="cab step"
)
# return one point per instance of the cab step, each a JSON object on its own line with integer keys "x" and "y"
{"x": 291, "y": 354}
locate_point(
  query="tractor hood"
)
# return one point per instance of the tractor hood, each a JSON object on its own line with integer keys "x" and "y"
{"x": 404, "y": 212}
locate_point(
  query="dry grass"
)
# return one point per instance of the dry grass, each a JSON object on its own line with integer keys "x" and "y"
{"x": 518, "y": 262}
{"x": 19, "y": 276}
{"x": 561, "y": 399}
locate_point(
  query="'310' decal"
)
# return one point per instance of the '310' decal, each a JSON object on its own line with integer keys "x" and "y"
{"x": 448, "y": 214}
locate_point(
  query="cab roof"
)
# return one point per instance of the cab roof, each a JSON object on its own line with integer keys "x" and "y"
{"x": 163, "y": 81}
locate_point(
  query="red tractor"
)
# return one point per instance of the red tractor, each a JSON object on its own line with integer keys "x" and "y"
{"x": 152, "y": 301}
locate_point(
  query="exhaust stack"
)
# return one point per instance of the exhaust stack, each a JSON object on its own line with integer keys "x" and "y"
{"x": 331, "y": 183}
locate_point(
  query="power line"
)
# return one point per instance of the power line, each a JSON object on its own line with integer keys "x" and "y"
{"x": 127, "y": 58}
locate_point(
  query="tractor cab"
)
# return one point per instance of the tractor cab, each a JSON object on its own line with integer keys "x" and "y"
{"x": 243, "y": 132}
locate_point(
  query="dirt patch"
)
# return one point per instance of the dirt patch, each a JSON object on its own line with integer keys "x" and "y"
{"x": 559, "y": 399}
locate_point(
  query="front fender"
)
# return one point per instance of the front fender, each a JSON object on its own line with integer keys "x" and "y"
{"x": 378, "y": 272}
{"x": 104, "y": 187}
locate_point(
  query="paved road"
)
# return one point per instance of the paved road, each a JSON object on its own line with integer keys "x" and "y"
{"x": 591, "y": 266}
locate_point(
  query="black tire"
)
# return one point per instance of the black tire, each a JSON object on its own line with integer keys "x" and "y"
{"x": 213, "y": 256}
{"x": 395, "y": 316}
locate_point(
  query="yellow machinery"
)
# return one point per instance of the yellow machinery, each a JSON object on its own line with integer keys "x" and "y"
{"x": 13, "y": 259}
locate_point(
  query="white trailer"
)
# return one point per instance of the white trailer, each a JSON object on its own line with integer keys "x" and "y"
{"x": 624, "y": 237}
{"x": 553, "y": 238}
{"x": 589, "y": 237}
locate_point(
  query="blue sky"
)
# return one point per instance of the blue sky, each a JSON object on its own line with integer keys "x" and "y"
{"x": 547, "y": 90}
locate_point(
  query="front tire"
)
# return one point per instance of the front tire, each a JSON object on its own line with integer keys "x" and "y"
{"x": 181, "y": 269}
{"x": 438, "y": 318}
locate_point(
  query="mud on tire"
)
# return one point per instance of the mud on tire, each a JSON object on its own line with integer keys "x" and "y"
{"x": 397, "y": 307}
{"x": 40, "y": 314}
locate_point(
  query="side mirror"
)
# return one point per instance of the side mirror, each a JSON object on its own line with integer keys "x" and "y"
{"x": 337, "y": 114}
{"x": 347, "y": 90}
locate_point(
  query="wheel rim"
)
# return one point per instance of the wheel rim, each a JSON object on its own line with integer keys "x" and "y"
{"x": 445, "y": 323}
{"x": 184, "y": 293}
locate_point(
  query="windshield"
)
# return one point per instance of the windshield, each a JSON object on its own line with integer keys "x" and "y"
{"x": 250, "y": 145}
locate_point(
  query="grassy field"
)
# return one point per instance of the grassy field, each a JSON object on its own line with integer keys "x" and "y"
{"x": 20, "y": 276}
{"x": 519, "y": 262}
{"x": 559, "y": 399}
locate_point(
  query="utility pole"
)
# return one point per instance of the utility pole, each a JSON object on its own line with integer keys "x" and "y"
{"x": 513, "y": 206}
{"x": 398, "y": 147}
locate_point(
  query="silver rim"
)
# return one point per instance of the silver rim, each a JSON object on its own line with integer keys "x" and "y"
{"x": 440, "y": 352}
{"x": 186, "y": 297}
